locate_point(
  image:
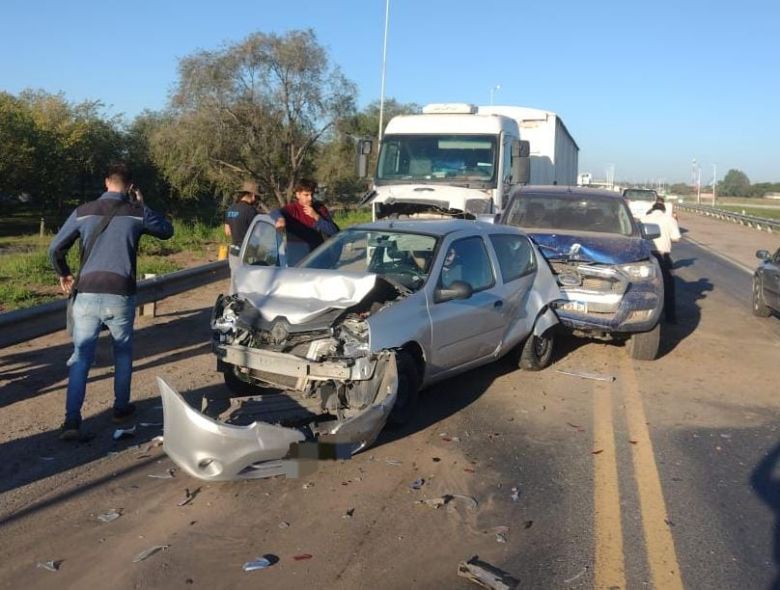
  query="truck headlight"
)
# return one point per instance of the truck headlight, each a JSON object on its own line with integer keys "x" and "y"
{"x": 640, "y": 271}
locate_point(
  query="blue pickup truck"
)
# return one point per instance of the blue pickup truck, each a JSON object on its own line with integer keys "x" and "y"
{"x": 611, "y": 283}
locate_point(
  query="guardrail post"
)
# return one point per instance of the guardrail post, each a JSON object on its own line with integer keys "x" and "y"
{"x": 148, "y": 309}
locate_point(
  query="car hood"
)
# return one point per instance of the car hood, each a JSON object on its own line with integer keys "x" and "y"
{"x": 593, "y": 248}
{"x": 300, "y": 294}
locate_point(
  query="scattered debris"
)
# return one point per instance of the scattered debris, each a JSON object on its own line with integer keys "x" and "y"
{"x": 259, "y": 563}
{"x": 575, "y": 426}
{"x": 722, "y": 436}
{"x": 501, "y": 537}
{"x": 302, "y": 557}
{"x": 468, "y": 470}
{"x": 436, "y": 459}
{"x": 586, "y": 375}
{"x": 417, "y": 484}
{"x": 597, "y": 452}
{"x": 52, "y": 566}
{"x": 284, "y": 525}
{"x": 634, "y": 442}
{"x": 167, "y": 475}
{"x": 189, "y": 496}
{"x": 307, "y": 485}
{"x": 394, "y": 462}
{"x": 42, "y": 458}
{"x": 486, "y": 575}
{"x": 120, "y": 433}
{"x": 668, "y": 522}
{"x": 469, "y": 502}
{"x": 110, "y": 515}
{"x": 145, "y": 554}
{"x": 515, "y": 494}
{"x": 436, "y": 502}
{"x": 528, "y": 524}
{"x": 349, "y": 513}
{"x": 577, "y": 576}
{"x": 149, "y": 424}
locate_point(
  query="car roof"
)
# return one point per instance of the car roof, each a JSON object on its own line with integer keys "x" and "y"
{"x": 574, "y": 192}
{"x": 432, "y": 227}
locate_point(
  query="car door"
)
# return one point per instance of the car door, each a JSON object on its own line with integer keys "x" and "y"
{"x": 465, "y": 331}
{"x": 516, "y": 263}
{"x": 772, "y": 281}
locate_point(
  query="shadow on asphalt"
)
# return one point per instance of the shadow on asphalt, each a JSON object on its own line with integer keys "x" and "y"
{"x": 766, "y": 485}
{"x": 688, "y": 294}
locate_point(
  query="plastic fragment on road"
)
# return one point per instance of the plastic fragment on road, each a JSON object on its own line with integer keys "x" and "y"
{"x": 486, "y": 575}
{"x": 586, "y": 375}
{"x": 307, "y": 485}
{"x": 167, "y": 475}
{"x": 500, "y": 538}
{"x": 188, "y": 496}
{"x": 597, "y": 452}
{"x": 394, "y": 462}
{"x": 349, "y": 513}
{"x": 42, "y": 458}
{"x": 284, "y": 525}
{"x": 469, "y": 502}
{"x": 109, "y": 515}
{"x": 528, "y": 524}
{"x": 147, "y": 553}
{"x": 576, "y": 576}
{"x": 515, "y": 494}
{"x": 259, "y": 563}
{"x": 149, "y": 424}
{"x": 417, "y": 484}
{"x": 51, "y": 566}
{"x": 302, "y": 557}
{"x": 121, "y": 433}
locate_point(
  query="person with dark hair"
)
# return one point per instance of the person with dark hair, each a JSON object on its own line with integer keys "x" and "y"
{"x": 238, "y": 218}
{"x": 103, "y": 294}
{"x": 306, "y": 218}
{"x": 662, "y": 248}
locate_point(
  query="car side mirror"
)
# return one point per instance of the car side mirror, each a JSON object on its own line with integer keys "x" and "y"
{"x": 650, "y": 231}
{"x": 364, "y": 149}
{"x": 457, "y": 290}
{"x": 521, "y": 162}
{"x": 762, "y": 254}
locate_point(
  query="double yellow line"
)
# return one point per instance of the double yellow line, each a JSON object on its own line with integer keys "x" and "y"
{"x": 609, "y": 569}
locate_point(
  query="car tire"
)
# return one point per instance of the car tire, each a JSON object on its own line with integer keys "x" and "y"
{"x": 408, "y": 389}
{"x": 236, "y": 385}
{"x": 536, "y": 352}
{"x": 643, "y": 346}
{"x": 760, "y": 308}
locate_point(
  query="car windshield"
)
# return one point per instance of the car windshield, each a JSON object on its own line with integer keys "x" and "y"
{"x": 403, "y": 257}
{"x": 586, "y": 213}
{"x": 449, "y": 159}
{"x": 640, "y": 194}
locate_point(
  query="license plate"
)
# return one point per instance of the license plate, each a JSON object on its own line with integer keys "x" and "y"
{"x": 575, "y": 306}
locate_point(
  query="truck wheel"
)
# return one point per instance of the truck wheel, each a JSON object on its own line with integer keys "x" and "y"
{"x": 408, "y": 390}
{"x": 643, "y": 346}
{"x": 536, "y": 351}
{"x": 235, "y": 384}
{"x": 759, "y": 307}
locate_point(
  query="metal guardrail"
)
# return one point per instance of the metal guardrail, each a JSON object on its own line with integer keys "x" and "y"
{"x": 24, "y": 324}
{"x": 760, "y": 223}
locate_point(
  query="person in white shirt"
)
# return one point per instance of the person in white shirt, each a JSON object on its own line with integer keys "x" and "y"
{"x": 662, "y": 248}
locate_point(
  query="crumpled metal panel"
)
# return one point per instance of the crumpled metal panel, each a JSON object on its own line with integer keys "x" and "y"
{"x": 214, "y": 451}
{"x": 300, "y": 294}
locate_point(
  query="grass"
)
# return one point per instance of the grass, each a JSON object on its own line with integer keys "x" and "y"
{"x": 345, "y": 219}
{"x": 757, "y": 212}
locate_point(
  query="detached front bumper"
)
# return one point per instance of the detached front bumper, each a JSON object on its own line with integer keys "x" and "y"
{"x": 215, "y": 451}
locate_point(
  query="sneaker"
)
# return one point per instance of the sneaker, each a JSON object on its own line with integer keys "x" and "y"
{"x": 123, "y": 414}
{"x": 70, "y": 431}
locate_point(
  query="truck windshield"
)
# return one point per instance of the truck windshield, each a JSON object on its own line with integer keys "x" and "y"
{"x": 445, "y": 159}
{"x": 638, "y": 194}
{"x": 592, "y": 214}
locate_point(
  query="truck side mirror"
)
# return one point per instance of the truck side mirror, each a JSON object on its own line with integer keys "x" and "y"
{"x": 521, "y": 162}
{"x": 364, "y": 149}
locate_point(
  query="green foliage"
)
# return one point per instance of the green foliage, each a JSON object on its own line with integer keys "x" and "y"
{"x": 681, "y": 188}
{"x": 344, "y": 219}
{"x": 254, "y": 109}
{"x": 734, "y": 184}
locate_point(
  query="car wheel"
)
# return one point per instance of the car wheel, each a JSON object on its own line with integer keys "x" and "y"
{"x": 536, "y": 351}
{"x": 408, "y": 389}
{"x": 235, "y": 384}
{"x": 759, "y": 307}
{"x": 643, "y": 346}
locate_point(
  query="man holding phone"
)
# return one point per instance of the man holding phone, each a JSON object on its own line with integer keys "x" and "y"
{"x": 110, "y": 229}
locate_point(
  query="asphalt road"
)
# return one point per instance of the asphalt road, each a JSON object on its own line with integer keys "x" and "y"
{"x": 663, "y": 478}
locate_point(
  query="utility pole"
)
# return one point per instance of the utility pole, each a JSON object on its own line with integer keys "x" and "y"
{"x": 493, "y": 89}
{"x": 384, "y": 70}
{"x": 714, "y": 182}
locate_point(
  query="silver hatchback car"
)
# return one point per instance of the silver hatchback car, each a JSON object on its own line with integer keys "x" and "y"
{"x": 356, "y": 329}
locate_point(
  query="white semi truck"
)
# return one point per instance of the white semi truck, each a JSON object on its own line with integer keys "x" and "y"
{"x": 460, "y": 159}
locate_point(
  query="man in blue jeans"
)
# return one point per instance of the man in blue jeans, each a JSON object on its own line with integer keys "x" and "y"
{"x": 105, "y": 288}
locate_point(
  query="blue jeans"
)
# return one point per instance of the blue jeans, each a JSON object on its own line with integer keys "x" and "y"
{"x": 90, "y": 311}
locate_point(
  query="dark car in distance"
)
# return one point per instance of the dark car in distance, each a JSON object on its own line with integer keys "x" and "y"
{"x": 766, "y": 284}
{"x": 601, "y": 256}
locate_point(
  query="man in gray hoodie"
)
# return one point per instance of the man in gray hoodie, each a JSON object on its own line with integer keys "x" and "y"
{"x": 110, "y": 229}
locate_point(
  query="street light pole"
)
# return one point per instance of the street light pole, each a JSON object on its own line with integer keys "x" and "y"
{"x": 492, "y": 90}
{"x": 384, "y": 70}
{"x": 714, "y": 182}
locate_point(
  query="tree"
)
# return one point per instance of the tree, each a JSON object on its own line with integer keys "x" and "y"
{"x": 734, "y": 184}
{"x": 254, "y": 109}
{"x": 680, "y": 188}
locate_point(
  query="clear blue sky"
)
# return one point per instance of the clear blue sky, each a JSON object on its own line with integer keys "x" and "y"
{"x": 646, "y": 86}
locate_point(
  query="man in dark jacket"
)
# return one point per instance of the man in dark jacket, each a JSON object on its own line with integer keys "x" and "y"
{"x": 238, "y": 218}
{"x": 306, "y": 218}
{"x": 105, "y": 287}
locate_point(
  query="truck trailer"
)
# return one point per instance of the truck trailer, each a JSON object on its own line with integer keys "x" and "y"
{"x": 461, "y": 160}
